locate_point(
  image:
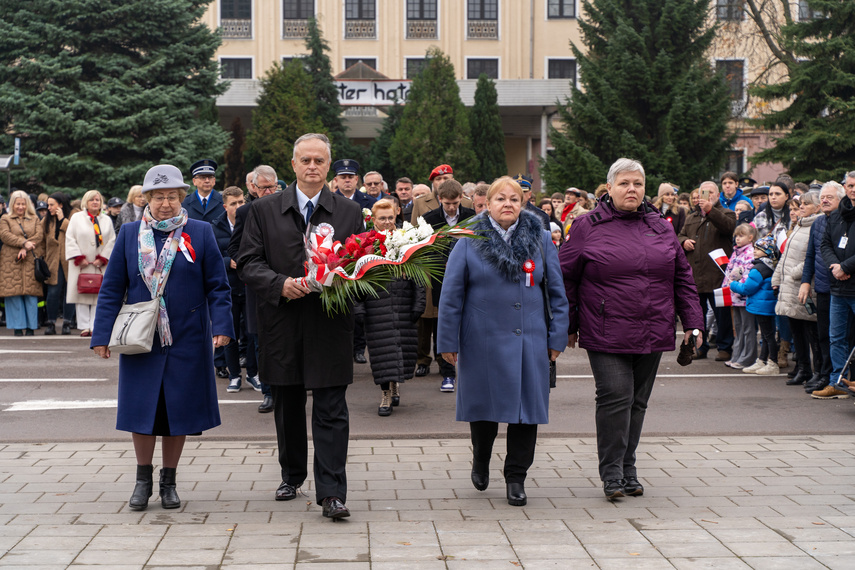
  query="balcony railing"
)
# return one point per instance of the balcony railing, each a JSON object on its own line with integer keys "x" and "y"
{"x": 360, "y": 29}
{"x": 236, "y": 28}
{"x": 483, "y": 30}
{"x": 421, "y": 29}
{"x": 295, "y": 28}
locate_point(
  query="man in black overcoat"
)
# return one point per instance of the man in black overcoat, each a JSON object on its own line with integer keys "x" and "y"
{"x": 301, "y": 347}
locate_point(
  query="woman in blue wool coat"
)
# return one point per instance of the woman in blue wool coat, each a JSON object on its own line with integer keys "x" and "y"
{"x": 761, "y": 303}
{"x": 493, "y": 324}
{"x": 170, "y": 391}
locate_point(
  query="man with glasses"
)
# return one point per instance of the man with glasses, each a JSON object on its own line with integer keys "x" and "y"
{"x": 204, "y": 204}
{"x": 374, "y": 185}
{"x": 347, "y": 183}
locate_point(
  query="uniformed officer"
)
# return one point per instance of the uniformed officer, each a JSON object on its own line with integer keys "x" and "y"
{"x": 525, "y": 184}
{"x": 347, "y": 182}
{"x": 204, "y": 204}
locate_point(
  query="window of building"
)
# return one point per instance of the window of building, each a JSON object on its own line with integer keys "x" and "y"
{"x": 238, "y": 9}
{"x": 561, "y": 8}
{"x": 808, "y": 13}
{"x": 298, "y": 9}
{"x": 729, "y": 10}
{"x": 421, "y": 9}
{"x": 561, "y": 69}
{"x": 733, "y": 71}
{"x": 236, "y": 67}
{"x": 735, "y": 162}
{"x": 369, "y": 61}
{"x": 475, "y": 67}
{"x": 414, "y": 66}
{"x": 359, "y": 9}
{"x": 483, "y": 9}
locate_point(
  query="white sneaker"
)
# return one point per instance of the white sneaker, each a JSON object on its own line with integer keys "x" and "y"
{"x": 737, "y": 366}
{"x": 754, "y": 367}
{"x": 770, "y": 369}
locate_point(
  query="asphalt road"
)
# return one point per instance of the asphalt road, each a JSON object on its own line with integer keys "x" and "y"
{"x": 55, "y": 389}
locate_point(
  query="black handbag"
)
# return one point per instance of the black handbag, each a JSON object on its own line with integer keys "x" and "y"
{"x": 40, "y": 266}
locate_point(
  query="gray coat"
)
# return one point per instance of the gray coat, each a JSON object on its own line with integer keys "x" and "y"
{"x": 788, "y": 273}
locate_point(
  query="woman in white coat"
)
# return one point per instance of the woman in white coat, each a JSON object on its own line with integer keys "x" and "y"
{"x": 89, "y": 242}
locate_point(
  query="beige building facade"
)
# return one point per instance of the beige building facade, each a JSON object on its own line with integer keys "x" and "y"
{"x": 524, "y": 45}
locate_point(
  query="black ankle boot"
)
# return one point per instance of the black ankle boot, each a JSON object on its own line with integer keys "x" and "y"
{"x": 480, "y": 474}
{"x": 143, "y": 488}
{"x": 168, "y": 496}
{"x": 66, "y": 327}
{"x": 50, "y": 329}
{"x": 516, "y": 494}
{"x": 801, "y": 377}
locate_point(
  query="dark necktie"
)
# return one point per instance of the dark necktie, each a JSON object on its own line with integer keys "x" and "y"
{"x": 309, "y": 209}
{"x": 204, "y": 203}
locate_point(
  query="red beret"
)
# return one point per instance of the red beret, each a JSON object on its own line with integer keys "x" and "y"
{"x": 441, "y": 169}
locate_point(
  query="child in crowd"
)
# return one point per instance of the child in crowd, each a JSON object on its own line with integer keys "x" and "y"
{"x": 740, "y": 264}
{"x": 761, "y": 303}
{"x": 557, "y": 236}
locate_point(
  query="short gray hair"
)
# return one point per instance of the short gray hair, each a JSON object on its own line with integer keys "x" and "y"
{"x": 312, "y": 136}
{"x": 810, "y": 198}
{"x": 837, "y": 187}
{"x": 265, "y": 172}
{"x": 850, "y": 174}
{"x": 709, "y": 183}
{"x": 373, "y": 172}
{"x": 622, "y": 165}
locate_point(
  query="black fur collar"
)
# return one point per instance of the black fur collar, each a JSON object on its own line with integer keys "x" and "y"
{"x": 508, "y": 258}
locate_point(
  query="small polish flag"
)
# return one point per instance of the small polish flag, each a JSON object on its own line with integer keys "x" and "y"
{"x": 719, "y": 256}
{"x": 722, "y": 297}
{"x": 781, "y": 239}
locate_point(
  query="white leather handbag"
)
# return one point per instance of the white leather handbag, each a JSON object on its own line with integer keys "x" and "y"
{"x": 133, "y": 331}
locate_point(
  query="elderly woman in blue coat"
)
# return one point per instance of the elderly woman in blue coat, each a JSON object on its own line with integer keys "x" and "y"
{"x": 494, "y": 324}
{"x": 170, "y": 391}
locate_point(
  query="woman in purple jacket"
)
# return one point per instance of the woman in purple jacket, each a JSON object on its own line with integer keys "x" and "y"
{"x": 625, "y": 275}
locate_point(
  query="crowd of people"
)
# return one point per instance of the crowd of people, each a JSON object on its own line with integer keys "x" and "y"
{"x": 727, "y": 260}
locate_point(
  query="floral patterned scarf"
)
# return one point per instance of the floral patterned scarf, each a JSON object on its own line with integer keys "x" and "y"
{"x": 155, "y": 268}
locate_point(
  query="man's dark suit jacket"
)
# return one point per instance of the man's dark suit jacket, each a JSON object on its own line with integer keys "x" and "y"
{"x": 436, "y": 218}
{"x": 299, "y": 344}
{"x": 361, "y": 198}
{"x": 194, "y": 206}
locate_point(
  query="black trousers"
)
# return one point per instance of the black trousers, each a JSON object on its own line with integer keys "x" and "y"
{"x": 624, "y": 383}
{"x": 806, "y": 339}
{"x": 522, "y": 439}
{"x": 766, "y": 323}
{"x": 330, "y": 432}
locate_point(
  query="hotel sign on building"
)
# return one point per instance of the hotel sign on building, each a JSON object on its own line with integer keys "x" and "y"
{"x": 367, "y": 92}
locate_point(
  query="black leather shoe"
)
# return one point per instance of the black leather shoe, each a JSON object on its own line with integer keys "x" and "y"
{"x": 481, "y": 474}
{"x": 286, "y": 492}
{"x": 334, "y": 508}
{"x": 50, "y": 329}
{"x": 421, "y": 370}
{"x": 222, "y": 372}
{"x": 66, "y": 328}
{"x": 613, "y": 488}
{"x": 632, "y": 487}
{"x": 817, "y": 382}
{"x": 142, "y": 489}
{"x": 359, "y": 358}
{"x": 266, "y": 406}
{"x": 516, "y": 495}
{"x": 792, "y": 373}
{"x": 800, "y": 378}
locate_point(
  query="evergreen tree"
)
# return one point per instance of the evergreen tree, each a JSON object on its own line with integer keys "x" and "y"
{"x": 649, "y": 93}
{"x": 286, "y": 110}
{"x": 378, "y": 150}
{"x": 325, "y": 93}
{"x": 820, "y": 92}
{"x": 99, "y": 91}
{"x": 235, "y": 171}
{"x": 488, "y": 138}
{"x": 434, "y": 127}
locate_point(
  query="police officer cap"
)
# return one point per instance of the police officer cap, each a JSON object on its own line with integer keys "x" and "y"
{"x": 204, "y": 167}
{"x": 113, "y": 202}
{"x": 760, "y": 190}
{"x": 523, "y": 181}
{"x": 345, "y": 166}
{"x": 747, "y": 182}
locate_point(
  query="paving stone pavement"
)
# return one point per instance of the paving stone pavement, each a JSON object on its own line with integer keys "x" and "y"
{"x": 709, "y": 502}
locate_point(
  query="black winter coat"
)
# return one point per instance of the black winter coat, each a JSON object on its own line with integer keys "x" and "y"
{"x": 840, "y": 223}
{"x": 298, "y": 343}
{"x": 390, "y": 329}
